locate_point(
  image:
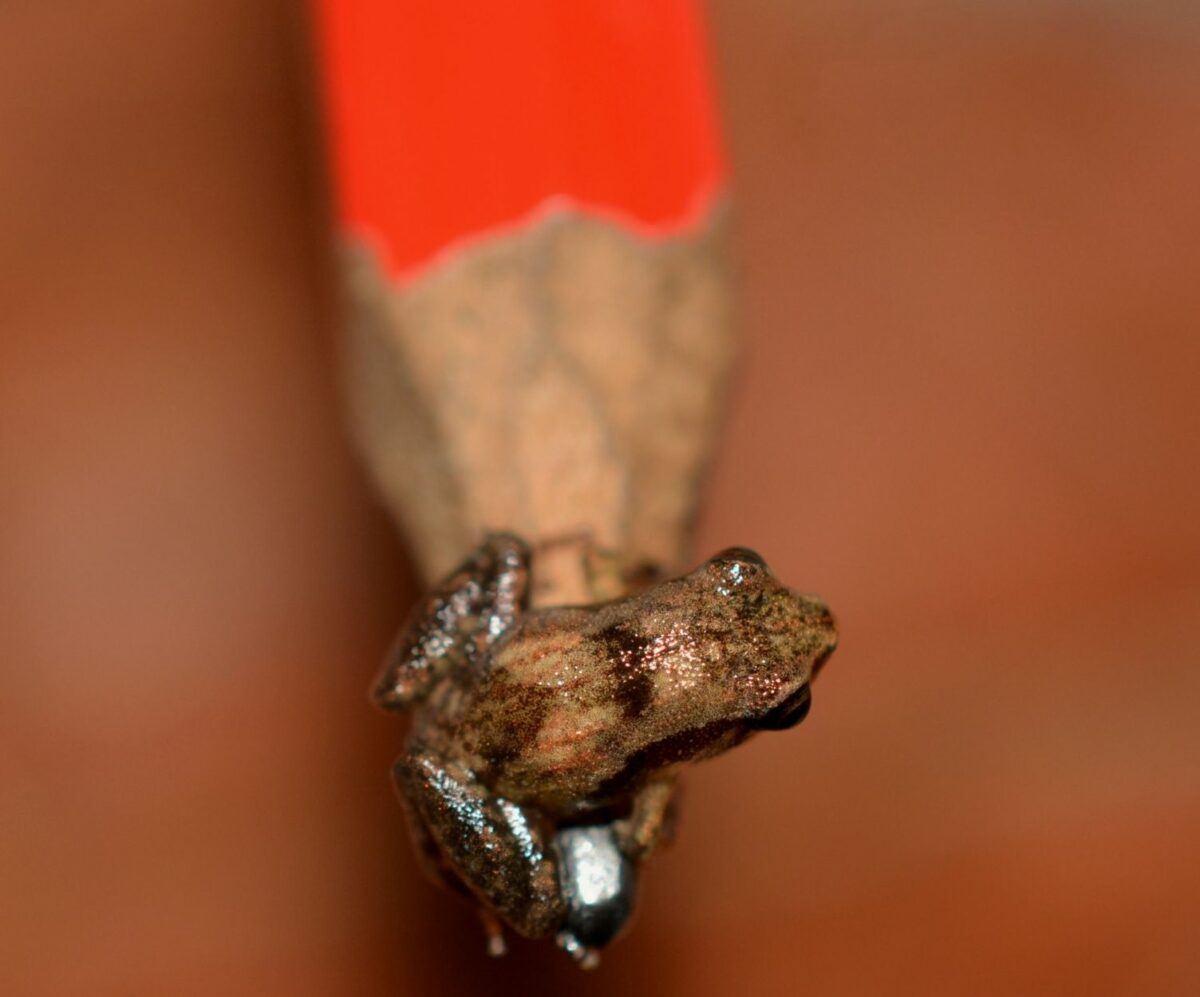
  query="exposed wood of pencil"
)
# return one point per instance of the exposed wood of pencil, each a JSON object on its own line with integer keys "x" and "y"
{"x": 562, "y": 379}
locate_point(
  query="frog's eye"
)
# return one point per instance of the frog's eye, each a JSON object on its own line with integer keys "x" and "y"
{"x": 736, "y": 566}
{"x": 739, "y": 555}
{"x": 788, "y": 713}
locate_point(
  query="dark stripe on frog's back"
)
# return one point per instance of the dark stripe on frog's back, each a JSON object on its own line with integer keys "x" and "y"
{"x": 528, "y": 680}
{"x": 511, "y": 716}
{"x": 626, "y": 652}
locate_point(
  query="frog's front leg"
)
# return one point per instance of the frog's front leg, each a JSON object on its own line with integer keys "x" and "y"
{"x": 501, "y": 851}
{"x": 651, "y": 822}
{"x": 457, "y": 622}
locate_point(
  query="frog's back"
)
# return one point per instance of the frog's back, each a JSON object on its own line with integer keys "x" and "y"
{"x": 546, "y": 722}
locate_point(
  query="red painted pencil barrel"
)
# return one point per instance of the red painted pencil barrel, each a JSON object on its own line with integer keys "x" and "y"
{"x": 448, "y": 120}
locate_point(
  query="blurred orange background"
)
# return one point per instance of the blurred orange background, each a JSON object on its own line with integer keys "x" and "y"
{"x": 969, "y": 240}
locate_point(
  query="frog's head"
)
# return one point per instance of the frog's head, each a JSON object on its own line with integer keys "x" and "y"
{"x": 763, "y": 642}
{"x": 703, "y": 661}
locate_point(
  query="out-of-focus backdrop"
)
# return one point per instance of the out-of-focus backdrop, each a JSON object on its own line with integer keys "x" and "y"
{"x": 969, "y": 245}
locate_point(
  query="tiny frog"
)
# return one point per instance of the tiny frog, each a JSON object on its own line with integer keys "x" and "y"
{"x": 533, "y": 723}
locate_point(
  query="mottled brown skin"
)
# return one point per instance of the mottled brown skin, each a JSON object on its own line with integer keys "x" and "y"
{"x": 530, "y": 720}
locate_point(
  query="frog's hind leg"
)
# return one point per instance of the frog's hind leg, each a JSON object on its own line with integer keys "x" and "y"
{"x": 439, "y": 870}
{"x": 457, "y": 622}
{"x": 498, "y": 849}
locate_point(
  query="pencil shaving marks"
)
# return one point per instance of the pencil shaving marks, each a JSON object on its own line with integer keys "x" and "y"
{"x": 565, "y": 376}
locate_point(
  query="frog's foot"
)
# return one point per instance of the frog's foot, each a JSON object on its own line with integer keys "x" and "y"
{"x": 498, "y": 849}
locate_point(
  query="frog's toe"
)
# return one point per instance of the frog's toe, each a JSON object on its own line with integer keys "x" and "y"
{"x": 494, "y": 930}
{"x": 587, "y": 958}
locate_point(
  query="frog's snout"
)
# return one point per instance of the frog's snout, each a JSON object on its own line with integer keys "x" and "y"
{"x": 818, "y": 618}
{"x": 816, "y": 614}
